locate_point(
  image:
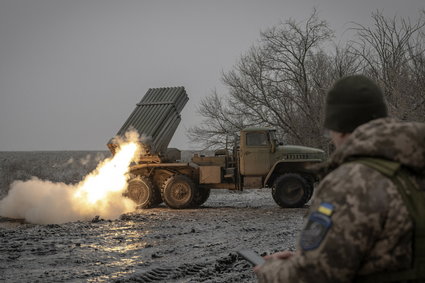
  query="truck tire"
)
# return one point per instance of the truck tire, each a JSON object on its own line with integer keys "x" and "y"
{"x": 141, "y": 190}
{"x": 202, "y": 195}
{"x": 291, "y": 190}
{"x": 178, "y": 192}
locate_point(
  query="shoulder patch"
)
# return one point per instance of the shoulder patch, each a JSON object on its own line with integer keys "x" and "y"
{"x": 315, "y": 231}
{"x": 326, "y": 208}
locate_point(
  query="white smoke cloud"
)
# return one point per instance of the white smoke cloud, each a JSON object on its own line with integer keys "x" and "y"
{"x": 144, "y": 141}
{"x": 100, "y": 193}
{"x": 39, "y": 201}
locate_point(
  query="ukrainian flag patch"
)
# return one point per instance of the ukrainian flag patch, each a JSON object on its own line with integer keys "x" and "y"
{"x": 326, "y": 208}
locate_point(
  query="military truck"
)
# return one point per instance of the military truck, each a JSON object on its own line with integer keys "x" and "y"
{"x": 258, "y": 160}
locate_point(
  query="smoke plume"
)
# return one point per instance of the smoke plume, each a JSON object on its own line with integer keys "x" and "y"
{"x": 99, "y": 193}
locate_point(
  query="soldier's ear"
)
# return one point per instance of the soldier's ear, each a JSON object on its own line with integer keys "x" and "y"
{"x": 338, "y": 138}
{"x": 344, "y": 137}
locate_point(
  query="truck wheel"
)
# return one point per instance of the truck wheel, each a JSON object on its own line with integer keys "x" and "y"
{"x": 201, "y": 196}
{"x": 141, "y": 190}
{"x": 291, "y": 190}
{"x": 178, "y": 192}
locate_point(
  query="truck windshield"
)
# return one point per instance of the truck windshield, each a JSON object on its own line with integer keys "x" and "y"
{"x": 256, "y": 139}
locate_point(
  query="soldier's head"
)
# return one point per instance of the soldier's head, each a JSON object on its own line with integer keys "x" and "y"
{"x": 351, "y": 102}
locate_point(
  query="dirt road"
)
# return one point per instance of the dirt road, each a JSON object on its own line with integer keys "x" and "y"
{"x": 156, "y": 245}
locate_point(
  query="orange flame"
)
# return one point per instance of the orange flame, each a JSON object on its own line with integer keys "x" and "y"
{"x": 104, "y": 186}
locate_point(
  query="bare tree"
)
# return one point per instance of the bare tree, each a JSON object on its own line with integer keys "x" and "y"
{"x": 282, "y": 81}
{"x": 392, "y": 50}
{"x": 279, "y": 83}
{"x": 221, "y": 123}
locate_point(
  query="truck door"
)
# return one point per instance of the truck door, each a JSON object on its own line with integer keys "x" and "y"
{"x": 255, "y": 153}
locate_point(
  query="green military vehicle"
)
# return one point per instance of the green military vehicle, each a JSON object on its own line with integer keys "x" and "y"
{"x": 257, "y": 161}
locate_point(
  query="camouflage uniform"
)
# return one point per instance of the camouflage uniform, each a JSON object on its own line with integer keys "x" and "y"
{"x": 369, "y": 229}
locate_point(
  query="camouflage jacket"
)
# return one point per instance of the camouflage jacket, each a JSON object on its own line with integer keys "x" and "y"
{"x": 357, "y": 223}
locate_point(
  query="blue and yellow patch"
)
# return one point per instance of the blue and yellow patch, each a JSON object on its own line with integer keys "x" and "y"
{"x": 319, "y": 223}
{"x": 326, "y": 208}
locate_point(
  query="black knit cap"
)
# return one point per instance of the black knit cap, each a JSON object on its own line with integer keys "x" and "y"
{"x": 353, "y": 101}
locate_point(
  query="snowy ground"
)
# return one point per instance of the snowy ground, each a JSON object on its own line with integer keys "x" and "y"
{"x": 155, "y": 245}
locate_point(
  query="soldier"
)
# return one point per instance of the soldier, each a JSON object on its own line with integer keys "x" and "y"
{"x": 367, "y": 220}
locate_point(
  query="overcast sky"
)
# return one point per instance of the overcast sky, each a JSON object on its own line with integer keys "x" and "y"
{"x": 71, "y": 71}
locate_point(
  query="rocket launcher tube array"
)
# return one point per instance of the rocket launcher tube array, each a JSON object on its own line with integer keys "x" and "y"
{"x": 157, "y": 117}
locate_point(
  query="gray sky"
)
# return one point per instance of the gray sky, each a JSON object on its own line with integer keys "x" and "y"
{"x": 71, "y": 72}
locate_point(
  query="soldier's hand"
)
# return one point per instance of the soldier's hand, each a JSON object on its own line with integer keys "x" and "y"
{"x": 280, "y": 255}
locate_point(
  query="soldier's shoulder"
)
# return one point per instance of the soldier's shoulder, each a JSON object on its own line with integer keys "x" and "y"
{"x": 355, "y": 173}
{"x": 355, "y": 180}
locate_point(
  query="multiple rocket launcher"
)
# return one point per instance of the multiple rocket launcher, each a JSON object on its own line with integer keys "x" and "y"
{"x": 156, "y": 118}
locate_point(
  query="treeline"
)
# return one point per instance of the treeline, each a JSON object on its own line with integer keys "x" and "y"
{"x": 282, "y": 81}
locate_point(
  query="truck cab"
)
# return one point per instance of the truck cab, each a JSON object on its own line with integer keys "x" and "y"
{"x": 285, "y": 168}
